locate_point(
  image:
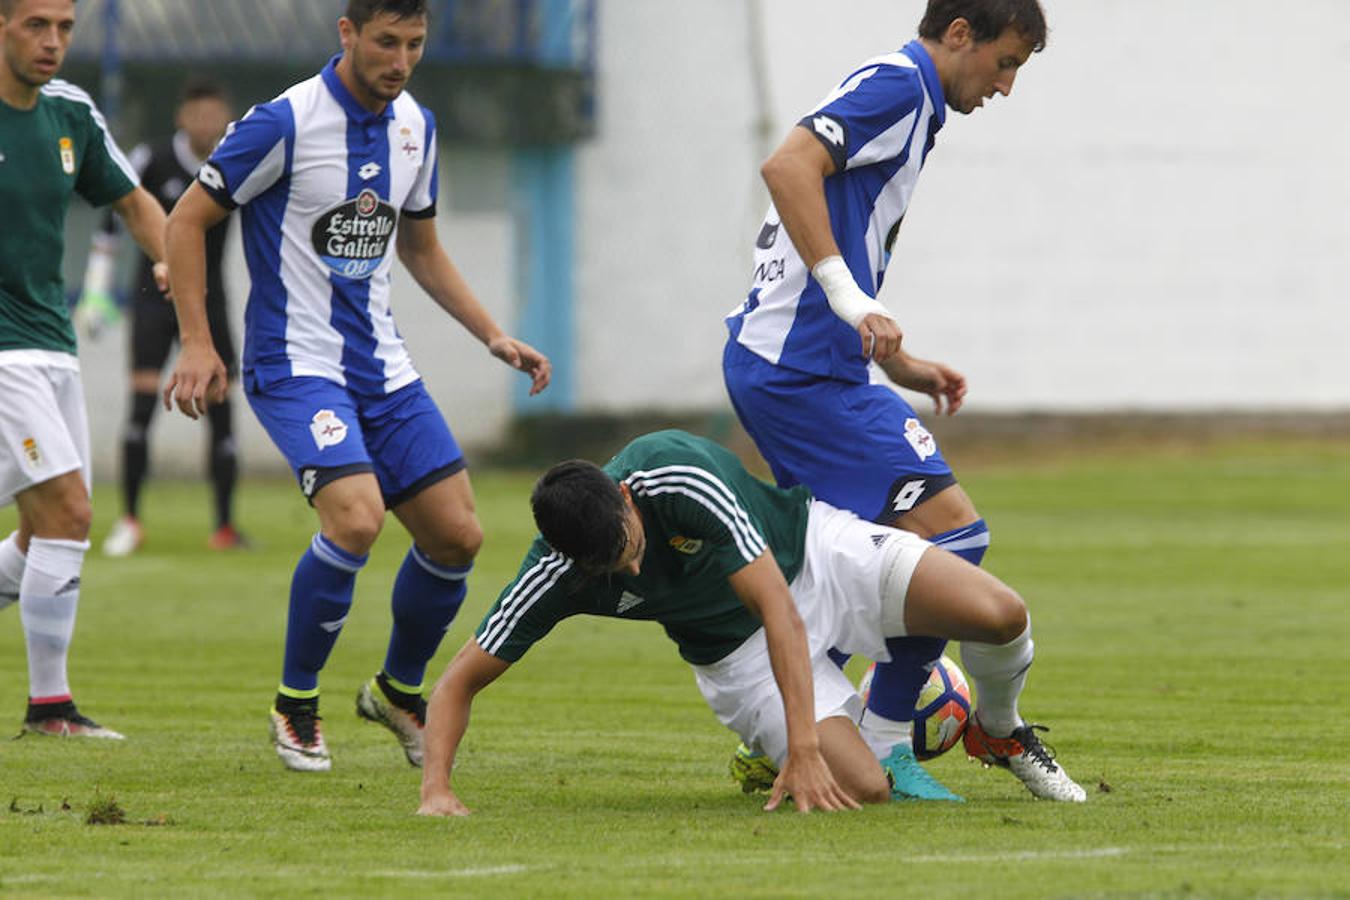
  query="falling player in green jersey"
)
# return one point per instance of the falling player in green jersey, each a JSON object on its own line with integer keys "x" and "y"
{"x": 754, "y": 584}
{"x": 53, "y": 143}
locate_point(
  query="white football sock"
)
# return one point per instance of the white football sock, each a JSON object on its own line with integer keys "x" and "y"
{"x": 48, "y": 597}
{"x": 882, "y": 734}
{"x": 999, "y": 673}
{"x": 11, "y": 569}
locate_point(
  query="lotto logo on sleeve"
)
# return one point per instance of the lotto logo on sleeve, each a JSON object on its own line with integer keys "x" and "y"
{"x": 830, "y": 129}
{"x": 210, "y": 176}
{"x": 328, "y": 429}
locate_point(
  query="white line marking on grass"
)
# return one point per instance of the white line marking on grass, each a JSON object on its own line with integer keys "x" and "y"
{"x": 453, "y": 873}
{"x": 1020, "y": 856}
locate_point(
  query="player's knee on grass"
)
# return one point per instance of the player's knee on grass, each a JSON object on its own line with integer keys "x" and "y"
{"x": 871, "y": 785}
{"x": 853, "y": 765}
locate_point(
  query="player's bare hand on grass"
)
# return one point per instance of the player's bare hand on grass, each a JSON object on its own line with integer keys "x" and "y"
{"x": 442, "y": 804}
{"x": 198, "y": 380}
{"x": 808, "y": 780}
{"x": 520, "y": 355}
{"x": 881, "y": 337}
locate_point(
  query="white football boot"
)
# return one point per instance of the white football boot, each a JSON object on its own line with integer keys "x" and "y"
{"x": 299, "y": 740}
{"x": 1023, "y": 754}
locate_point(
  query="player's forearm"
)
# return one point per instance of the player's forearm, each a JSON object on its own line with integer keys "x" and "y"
{"x": 186, "y": 255}
{"x": 447, "y": 721}
{"x": 145, "y": 219}
{"x": 441, "y": 279}
{"x": 898, "y": 368}
{"x": 469, "y": 672}
{"x": 798, "y": 192}
{"x": 790, "y": 657}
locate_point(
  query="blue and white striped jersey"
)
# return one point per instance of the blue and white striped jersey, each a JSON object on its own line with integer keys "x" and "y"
{"x": 878, "y": 125}
{"x": 323, "y": 182}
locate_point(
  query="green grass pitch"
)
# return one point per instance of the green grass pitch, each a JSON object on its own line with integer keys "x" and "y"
{"x": 1191, "y": 621}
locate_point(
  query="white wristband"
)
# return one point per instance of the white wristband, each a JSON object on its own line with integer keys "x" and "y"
{"x": 848, "y": 301}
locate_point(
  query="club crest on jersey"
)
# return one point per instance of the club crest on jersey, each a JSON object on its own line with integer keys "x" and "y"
{"x": 67, "y": 155}
{"x": 686, "y": 545}
{"x": 920, "y": 439}
{"x": 409, "y": 148}
{"x": 30, "y": 449}
{"x": 352, "y": 239}
{"x": 328, "y": 430}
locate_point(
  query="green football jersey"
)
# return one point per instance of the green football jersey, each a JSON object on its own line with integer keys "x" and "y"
{"x": 705, "y": 518}
{"x": 59, "y": 147}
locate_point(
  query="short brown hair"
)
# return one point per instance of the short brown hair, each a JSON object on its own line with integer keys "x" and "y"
{"x": 988, "y": 19}
{"x": 362, "y": 11}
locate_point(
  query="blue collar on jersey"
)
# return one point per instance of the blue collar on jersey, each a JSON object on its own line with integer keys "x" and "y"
{"x": 915, "y": 51}
{"x": 344, "y": 97}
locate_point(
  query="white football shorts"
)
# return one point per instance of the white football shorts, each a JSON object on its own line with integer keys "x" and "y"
{"x": 44, "y": 428}
{"x": 850, "y": 595}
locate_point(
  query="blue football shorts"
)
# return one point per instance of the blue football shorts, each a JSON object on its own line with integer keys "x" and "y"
{"x": 326, "y": 433}
{"x": 859, "y": 447}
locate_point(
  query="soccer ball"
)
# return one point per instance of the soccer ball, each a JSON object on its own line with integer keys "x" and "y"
{"x": 940, "y": 713}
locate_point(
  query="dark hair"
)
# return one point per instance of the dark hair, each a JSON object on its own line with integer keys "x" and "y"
{"x": 988, "y": 19}
{"x": 202, "y": 89}
{"x": 362, "y": 11}
{"x": 580, "y": 512}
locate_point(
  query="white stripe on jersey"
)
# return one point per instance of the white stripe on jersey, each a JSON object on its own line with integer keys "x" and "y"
{"x": 535, "y": 583}
{"x": 894, "y": 198}
{"x": 711, "y": 493}
{"x": 67, "y": 91}
{"x": 313, "y": 345}
{"x": 264, "y": 176}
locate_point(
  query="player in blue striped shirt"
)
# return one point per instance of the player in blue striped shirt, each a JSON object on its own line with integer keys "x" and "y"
{"x": 329, "y": 177}
{"x": 799, "y": 361}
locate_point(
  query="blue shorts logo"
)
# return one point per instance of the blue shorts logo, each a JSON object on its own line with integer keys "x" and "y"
{"x": 353, "y": 238}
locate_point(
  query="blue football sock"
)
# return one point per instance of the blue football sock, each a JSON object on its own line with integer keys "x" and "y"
{"x": 969, "y": 542}
{"x": 321, "y": 597}
{"x": 896, "y": 684}
{"x": 427, "y": 596}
